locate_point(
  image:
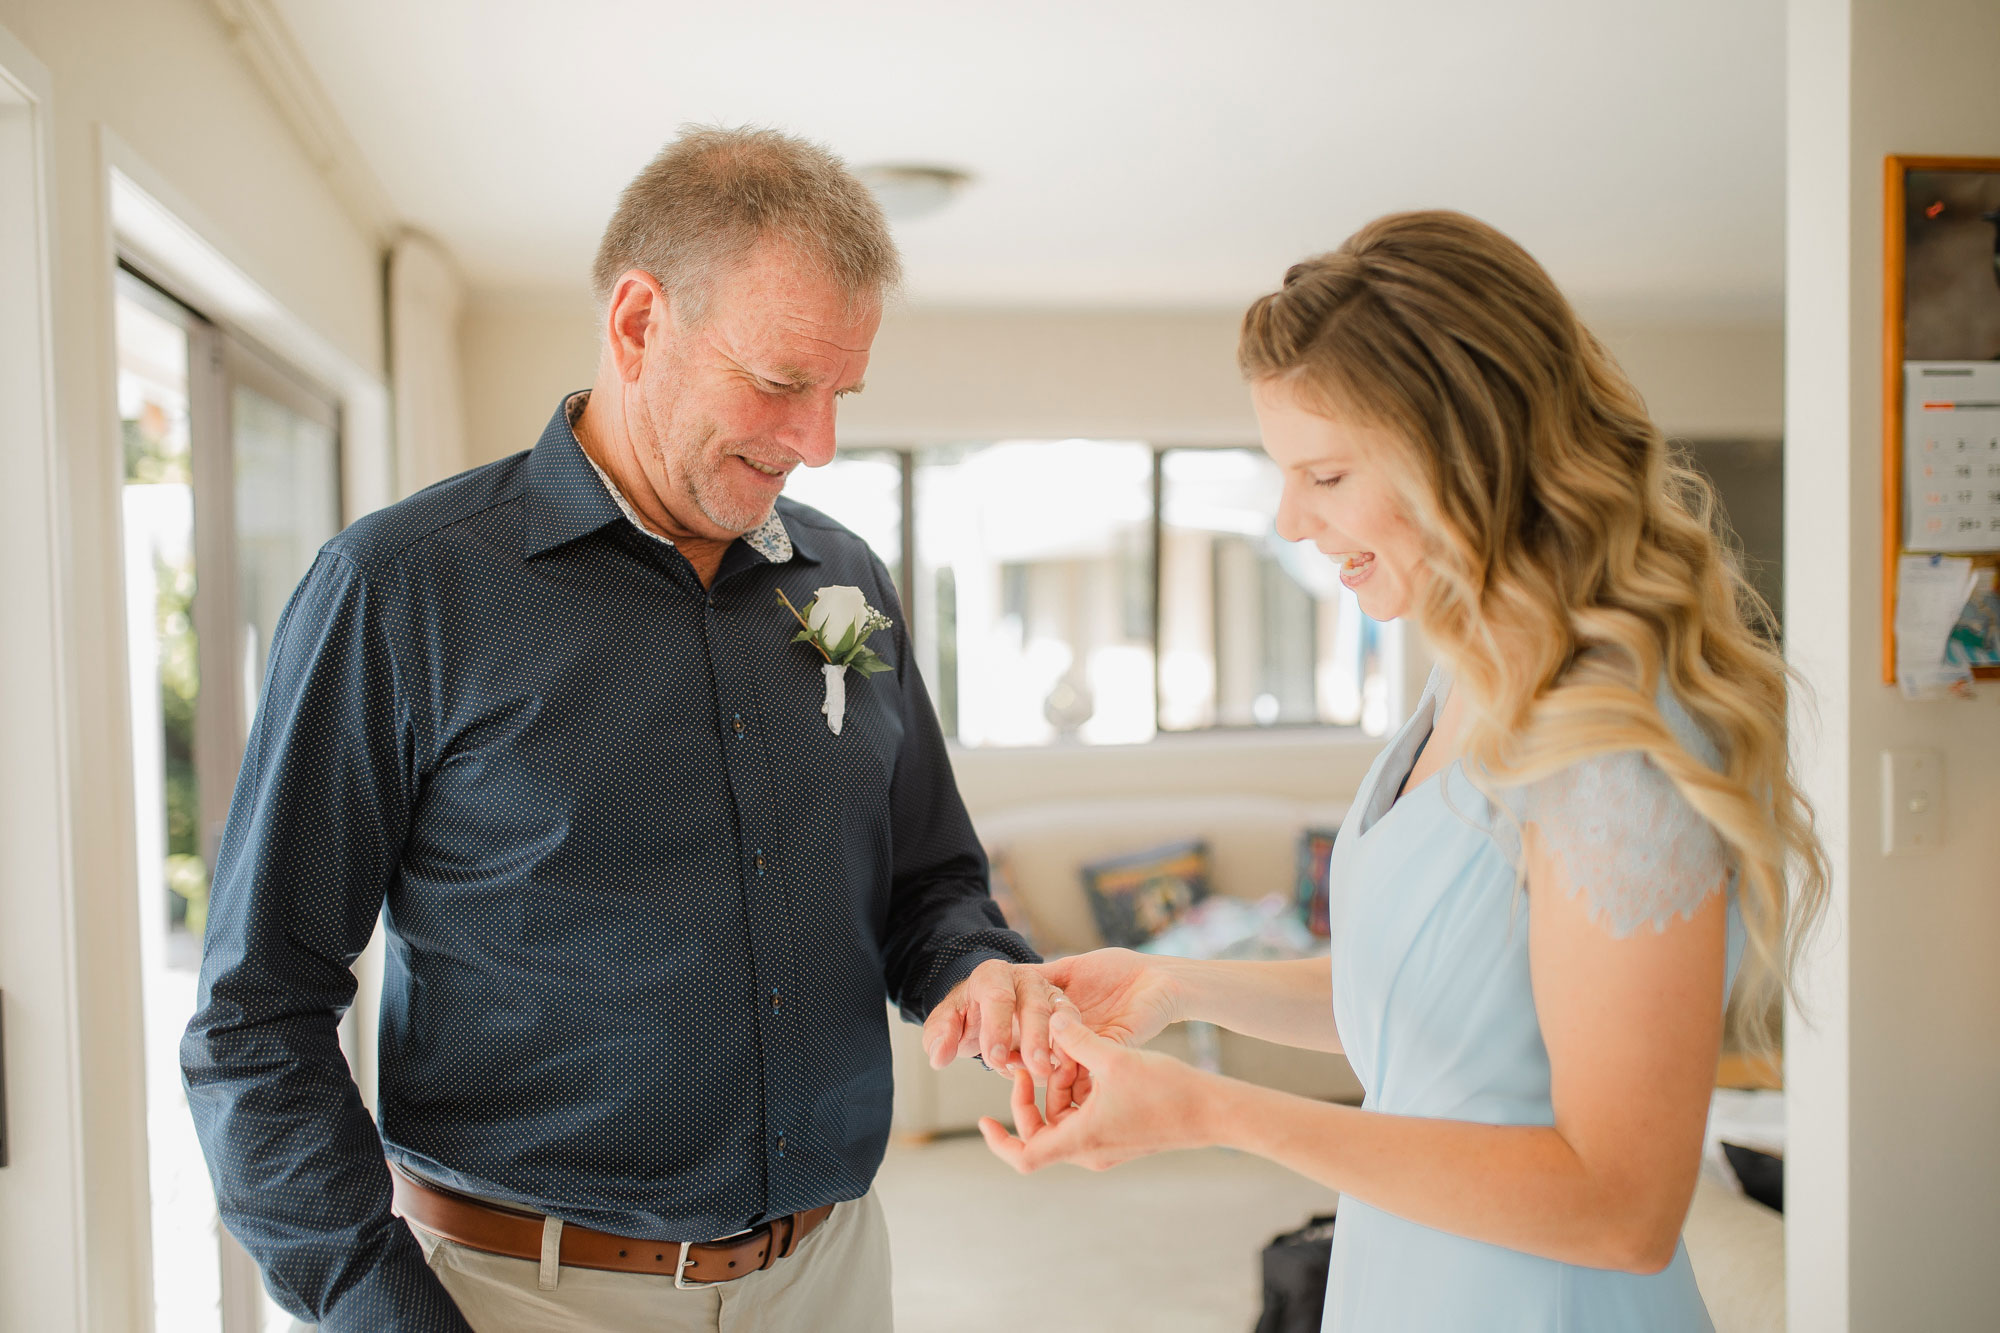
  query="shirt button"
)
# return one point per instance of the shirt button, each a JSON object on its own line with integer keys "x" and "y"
{"x": 781, "y": 1145}
{"x": 738, "y": 724}
{"x": 775, "y": 999}
{"x": 760, "y": 863}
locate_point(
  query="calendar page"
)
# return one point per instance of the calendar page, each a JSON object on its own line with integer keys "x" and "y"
{"x": 1951, "y": 455}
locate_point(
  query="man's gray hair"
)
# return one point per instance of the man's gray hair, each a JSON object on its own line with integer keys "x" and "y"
{"x": 713, "y": 194}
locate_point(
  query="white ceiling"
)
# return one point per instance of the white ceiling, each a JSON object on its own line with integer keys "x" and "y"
{"x": 1169, "y": 153}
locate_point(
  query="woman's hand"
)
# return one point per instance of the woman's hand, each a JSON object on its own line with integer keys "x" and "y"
{"x": 1140, "y": 1102}
{"x": 1121, "y": 995}
{"x": 1125, "y": 996}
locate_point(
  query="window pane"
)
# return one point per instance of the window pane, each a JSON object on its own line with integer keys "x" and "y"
{"x": 287, "y": 506}
{"x": 1034, "y": 590}
{"x": 153, "y": 355}
{"x": 862, "y": 489}
{"x": 1254, "y": 630}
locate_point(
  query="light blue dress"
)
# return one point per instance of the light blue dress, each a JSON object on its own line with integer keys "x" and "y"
{"x": 1432, "y": 998}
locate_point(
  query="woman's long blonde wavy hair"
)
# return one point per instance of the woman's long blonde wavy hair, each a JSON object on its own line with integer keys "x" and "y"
{"x": 1575, "y": 558}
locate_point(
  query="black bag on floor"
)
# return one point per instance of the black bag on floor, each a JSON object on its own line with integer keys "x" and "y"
{"x": 1295, "y": 1267}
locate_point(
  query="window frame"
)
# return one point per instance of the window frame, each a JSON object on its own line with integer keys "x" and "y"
{"x": 907, "y": 455}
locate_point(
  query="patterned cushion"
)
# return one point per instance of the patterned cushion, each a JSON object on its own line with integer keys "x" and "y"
{"x": 1315, "y": 854}
{"x": 1136, "y": 896}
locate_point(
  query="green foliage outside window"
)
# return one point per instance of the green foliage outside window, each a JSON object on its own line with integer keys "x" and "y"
{"x": 180, "y": 685}
{"x": 156, "y": 454}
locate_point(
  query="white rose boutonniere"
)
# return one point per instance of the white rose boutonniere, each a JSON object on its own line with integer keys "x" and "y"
{"x": 837, "y": 623}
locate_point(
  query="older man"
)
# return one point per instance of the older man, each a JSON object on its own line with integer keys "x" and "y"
{"x": 644, "y": 891}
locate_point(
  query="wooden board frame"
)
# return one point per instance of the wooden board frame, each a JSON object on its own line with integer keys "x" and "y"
{"x": 1895, "y": 170}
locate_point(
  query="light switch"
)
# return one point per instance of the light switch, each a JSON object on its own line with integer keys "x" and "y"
{"x": 1912, "y": 801}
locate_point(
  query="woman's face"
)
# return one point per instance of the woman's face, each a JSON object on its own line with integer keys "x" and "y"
{"x": 1338, "y": 497}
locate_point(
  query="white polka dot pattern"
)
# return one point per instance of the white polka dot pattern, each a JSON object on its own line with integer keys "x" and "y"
{"x": 642, "y": 906}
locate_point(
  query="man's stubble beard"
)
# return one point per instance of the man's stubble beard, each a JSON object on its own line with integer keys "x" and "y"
{"x": 697, "y": 472}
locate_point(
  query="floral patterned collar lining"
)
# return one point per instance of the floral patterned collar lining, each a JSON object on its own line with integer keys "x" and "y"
{"x": 769, "y": 540}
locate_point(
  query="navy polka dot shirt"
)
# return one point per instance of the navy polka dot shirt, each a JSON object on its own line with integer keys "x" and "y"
{"x": 642, "y": 905}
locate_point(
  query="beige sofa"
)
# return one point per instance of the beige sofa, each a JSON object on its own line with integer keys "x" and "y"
{"x": 1253, "y": 848}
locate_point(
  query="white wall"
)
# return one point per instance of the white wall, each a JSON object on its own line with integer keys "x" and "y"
{"x": 1706, "y": 381}
{"x": 161, "y": 78}
{"x": 1308, "y": 764}
{"x": 518, "y": 356}
{"x": 940, "y": 374}
{"x": 1894, "y": 1154}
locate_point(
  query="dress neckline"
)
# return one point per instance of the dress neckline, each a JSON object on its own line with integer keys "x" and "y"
{"x": 1415, "y": 736}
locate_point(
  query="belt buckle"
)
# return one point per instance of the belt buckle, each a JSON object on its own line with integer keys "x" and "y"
{"x": 680, "y": 1269}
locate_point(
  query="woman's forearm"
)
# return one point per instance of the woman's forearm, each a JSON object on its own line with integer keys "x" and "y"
{"x": 1521, "y": 1186}
{"x": 1290, "y": 1003}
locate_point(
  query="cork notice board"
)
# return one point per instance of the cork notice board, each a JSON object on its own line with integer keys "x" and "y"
{"x": 1941, "y": 377}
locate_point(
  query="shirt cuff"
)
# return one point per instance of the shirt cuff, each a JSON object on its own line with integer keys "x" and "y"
{"x": 1004, "y": 945}
{"x": 401, "y": 1293}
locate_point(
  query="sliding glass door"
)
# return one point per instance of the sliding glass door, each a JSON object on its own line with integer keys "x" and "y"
{"x": 232, "y": 482}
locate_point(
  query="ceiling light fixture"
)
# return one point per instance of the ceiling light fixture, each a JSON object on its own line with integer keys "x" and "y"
{"x": 909, "y": 190}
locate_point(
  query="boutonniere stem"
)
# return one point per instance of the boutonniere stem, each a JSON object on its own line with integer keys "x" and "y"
{"x": 836, "y": 624}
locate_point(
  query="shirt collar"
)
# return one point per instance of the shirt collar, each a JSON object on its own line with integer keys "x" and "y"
{"x": 564, "y": 498}
{"x": 569, "y": 496}
{"x": 771, "y": 540}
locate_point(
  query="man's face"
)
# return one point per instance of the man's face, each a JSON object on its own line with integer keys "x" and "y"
{"x": 728, "y": 407}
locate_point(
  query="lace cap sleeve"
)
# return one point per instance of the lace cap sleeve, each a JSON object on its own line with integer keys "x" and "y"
{"x": 1627, "y": 839}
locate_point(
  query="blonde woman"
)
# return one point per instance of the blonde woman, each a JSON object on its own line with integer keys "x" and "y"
{"x": 1555, "y": 876}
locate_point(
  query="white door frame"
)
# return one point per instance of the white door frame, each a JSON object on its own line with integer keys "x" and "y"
{"x": 42, "y": 1279}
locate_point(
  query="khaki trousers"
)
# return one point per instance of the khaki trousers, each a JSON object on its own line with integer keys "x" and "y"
{"x": 836, "y": 1281}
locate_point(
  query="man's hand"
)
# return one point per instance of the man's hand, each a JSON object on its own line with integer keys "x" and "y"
{"x": 1001, "y": 1013}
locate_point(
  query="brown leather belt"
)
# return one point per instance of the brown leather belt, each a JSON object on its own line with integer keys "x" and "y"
{"x": 517, "y": 1234}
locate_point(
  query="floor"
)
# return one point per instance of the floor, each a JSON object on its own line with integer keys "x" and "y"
{"x": 1169, "y": 1244}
